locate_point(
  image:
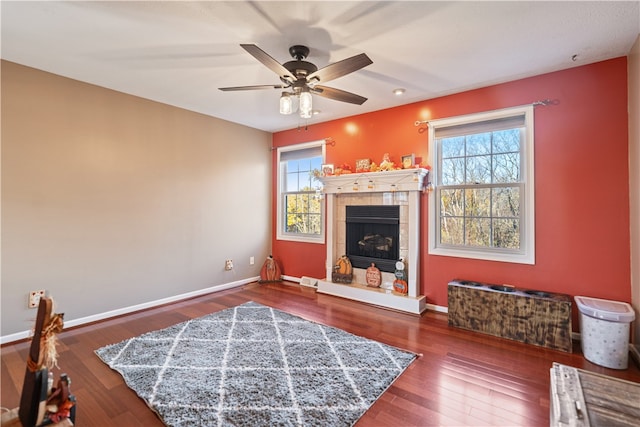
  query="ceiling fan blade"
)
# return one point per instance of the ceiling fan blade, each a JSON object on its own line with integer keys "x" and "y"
{"x": 227, "y": 89}
{"x": 338, "y": 95}
{"x": 268, "y": 61}
{"x": 340, "y": 68}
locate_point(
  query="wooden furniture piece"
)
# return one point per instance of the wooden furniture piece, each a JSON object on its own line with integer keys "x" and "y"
{"x": 529, "y": 316}
{"x": 38, "y": 397}
{"x": 34, "y": 390}
{"x": 586, "y": 399}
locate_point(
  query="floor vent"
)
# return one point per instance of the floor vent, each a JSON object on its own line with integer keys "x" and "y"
{"x": 309, "y": 281}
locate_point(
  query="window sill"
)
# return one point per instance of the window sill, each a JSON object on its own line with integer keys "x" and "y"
{"x": 301, "y": 239}
{"x": 485, "y": 256}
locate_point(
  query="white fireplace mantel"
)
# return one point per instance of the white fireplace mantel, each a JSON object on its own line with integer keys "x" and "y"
{"x": 370, "y": 182}
{"x": 399, "y": 187}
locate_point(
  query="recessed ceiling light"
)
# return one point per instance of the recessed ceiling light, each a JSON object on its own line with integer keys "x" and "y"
{"x": 315, "y": 112}
{"x": 399, "y": 91}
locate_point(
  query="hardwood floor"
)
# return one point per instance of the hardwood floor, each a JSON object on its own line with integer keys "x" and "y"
{"x": 461, "y": 379}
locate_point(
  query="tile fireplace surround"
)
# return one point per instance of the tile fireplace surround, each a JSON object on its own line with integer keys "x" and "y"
{"x": 400, "y": 187}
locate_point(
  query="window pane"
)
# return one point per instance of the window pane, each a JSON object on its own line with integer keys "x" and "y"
{"x": 506, "y": 233}
{"x": 292, "y": 182}
{"x": 479, "y": 144}
{"x": 316, "y": 163}
{"x": 506, "y": 202}
{"x": 452, "y": 231}
{"x": 303, "y": 213}
{"x": 452, "y": 147}
{"x": 292, "y": 165}
{"x": 478, "y": 202}
{"x": 505, "y": 141}
{"x": 453, "y": 171}
{"x": 304, "y": 165}
{"x": 506, "y": 168}
{"x": 478, "y": 170}
{"x": 452, "y": 203}
{"x": 305, "y": 181}
{"x": 478, "y": 232}
{"x": 300, "y": 177}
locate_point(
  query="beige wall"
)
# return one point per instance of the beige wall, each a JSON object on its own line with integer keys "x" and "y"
{"x": 634, "y": 180}
{"x": 110, "y": 201}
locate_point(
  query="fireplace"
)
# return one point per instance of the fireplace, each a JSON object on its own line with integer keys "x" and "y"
{"x": 373, "y": 236}
{"x": 398, "y": 192}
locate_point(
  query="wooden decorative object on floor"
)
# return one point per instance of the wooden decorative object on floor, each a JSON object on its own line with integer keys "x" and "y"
{"x": 270, "y": 271}
{"x": 581, "y": 398}
{"x": 11, "y": 419}
{"x": 529, "y": 316}
{"x": 37, "y": 405}
{"x": 34, "y": 390}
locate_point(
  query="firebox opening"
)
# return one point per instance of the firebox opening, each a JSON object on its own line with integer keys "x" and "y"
{"x": 372, "y": 236}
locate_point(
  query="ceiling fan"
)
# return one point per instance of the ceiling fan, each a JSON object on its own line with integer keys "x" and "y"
{"x": 300, "y": 78}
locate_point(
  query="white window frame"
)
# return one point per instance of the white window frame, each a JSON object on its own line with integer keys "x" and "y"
{"x": 526, "y": 253}
{"x": 281, "y": 234}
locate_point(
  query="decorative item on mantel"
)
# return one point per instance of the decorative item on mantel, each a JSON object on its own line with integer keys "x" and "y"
{"x": 363, "y": 165}
{"x": 400, "y": 283}
{"x": 342, "y": 271}
{"x": 386, "y": 164}
{"x": 408, "y": 161}
{"x": 327, "y": 170}
{"x": 373, "y": 276}
{"x": 343, "y": 169}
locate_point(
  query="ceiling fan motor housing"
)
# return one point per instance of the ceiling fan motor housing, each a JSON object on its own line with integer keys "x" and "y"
{"x": 299, "y": 52}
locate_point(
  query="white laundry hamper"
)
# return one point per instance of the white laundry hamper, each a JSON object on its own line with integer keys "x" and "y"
{"x": 604, "y": 331}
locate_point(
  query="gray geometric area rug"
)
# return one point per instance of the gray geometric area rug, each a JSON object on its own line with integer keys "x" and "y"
{"x": 253, "y": 365}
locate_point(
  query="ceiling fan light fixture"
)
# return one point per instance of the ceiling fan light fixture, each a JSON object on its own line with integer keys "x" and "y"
{"x": 306, "y": 104}
{"x": 286, "y": 103}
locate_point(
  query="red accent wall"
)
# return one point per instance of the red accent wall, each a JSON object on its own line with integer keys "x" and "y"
{"x": 581, "y": 180}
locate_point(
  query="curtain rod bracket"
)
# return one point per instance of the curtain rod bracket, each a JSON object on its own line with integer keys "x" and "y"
{"x": 330, "y": 141}
{"x": 545, "y": 102}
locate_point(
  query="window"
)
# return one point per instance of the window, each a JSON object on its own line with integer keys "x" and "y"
{"x": 482, "y": 205}
{"x": 300, "y": 205}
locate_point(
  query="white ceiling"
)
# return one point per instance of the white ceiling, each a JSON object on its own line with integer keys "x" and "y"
{"x": 180, "y": 53}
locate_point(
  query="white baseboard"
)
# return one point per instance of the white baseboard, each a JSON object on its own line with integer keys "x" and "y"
{"x": 125, "y": 310}
{"x": 438, "y": 308}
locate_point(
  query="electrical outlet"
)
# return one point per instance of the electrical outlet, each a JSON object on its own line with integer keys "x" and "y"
{"x": 34, "y": 298}
{"x": 252, "y": 260}
{"x": 228, "y": 265}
